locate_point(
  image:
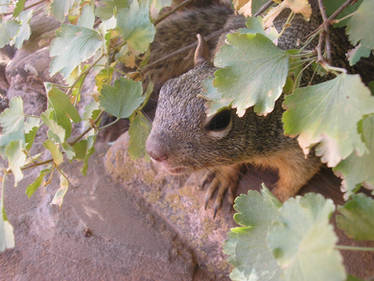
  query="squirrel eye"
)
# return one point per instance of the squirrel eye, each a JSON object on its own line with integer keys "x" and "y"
{"x": 220, "y": 121}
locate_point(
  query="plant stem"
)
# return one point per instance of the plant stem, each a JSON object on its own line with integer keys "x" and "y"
{"x": 339, "y": 10}
{"x": 172, "y": 11}
{"x": 84, "y": 73}
{"x": 263, "y": 8}
{"x": 354, "y": 248}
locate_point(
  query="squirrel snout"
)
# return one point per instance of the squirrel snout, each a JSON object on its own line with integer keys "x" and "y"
{"x": 156, "y": 150}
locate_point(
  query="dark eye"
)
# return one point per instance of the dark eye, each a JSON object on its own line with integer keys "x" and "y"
{"x": 220, "y": 121}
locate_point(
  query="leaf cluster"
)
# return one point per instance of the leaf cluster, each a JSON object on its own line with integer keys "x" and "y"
{"x": 294, "y": 240}
{"x": 93, "y": 37}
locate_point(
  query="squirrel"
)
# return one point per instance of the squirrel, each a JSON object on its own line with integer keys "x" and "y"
{"x": 183, "y": 139}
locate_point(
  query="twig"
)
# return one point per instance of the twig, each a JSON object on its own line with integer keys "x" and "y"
{"x": 70, "y": 143}
{"x": 25, "y": 8}
{"x": 325, "y": 31}
{"x": 354, "y": 248}
{"x": 84, "y": 73}
{"x": 263, "y": 8}
{"x": 193, "y": 45}
{"x": 339, "y": 10}
{"x": 176, "y": 8}
{"x": 181, "y": 50}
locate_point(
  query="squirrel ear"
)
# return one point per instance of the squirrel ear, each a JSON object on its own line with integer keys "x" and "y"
{"x": 202, "y": 52}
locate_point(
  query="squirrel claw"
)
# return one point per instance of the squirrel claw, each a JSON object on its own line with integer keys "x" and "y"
{"x": 224, "y": 180}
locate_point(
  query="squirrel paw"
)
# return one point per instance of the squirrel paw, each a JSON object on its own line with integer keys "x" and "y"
{"x": 223, "y": 179}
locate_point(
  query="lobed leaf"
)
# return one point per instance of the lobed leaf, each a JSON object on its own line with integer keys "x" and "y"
{"x": 302, "y": 240}
{"x": 31, "y": 128}
{"x": 253, "y": 72}
{"x": 122, "y": 99}
{"x": 8, "y": 31}
{"x": 327, "y": 113}
{"x": 357, "y": 53}
{"x": 359, "y": 26}
{"x": 356, "y": 170}
{"x": 16, "y": 159}
{"x": 138, "y": 131}
{"x": 87, "y": 17}
{"x": 60, "y": 8}
{"x": 24, "y": 31}
{"x": 356, "y": 217}
{"x": 135, "y": 26}
{"x": 72, "y": 46}
{"x": 12, "y": 122}
{"x": 246, "y": 246}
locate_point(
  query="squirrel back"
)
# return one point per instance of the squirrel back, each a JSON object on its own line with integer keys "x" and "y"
{"x": 184, "y": 139}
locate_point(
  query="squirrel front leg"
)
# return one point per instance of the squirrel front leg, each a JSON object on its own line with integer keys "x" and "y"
{"x": 294, "y": 170}
{"x": 223, "y": 180}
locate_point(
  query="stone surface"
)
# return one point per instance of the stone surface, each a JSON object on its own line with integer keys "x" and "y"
{"x": 180, "y": 204}
{"x": 100, "y": 233}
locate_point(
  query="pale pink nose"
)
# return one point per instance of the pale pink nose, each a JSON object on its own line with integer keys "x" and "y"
{"x": 156, "y": 150}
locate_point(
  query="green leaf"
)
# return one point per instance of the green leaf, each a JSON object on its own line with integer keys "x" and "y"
{"x": 357, "y": 53}
{"x": 19, "y": 7}
{"x": 24, "y": 31}
{"x": 87, "y": 17}
{"x": 32, "y": 187}
{"x": 60, "y": 193}
{"x": 12, "y": 122}
{"x": 352, "y": 278}
{"x": 359, "y": 26}
{"x": 6, "y": 233}
{"x": 31, "y": 128}
{"x": 63, "y": 110}
{"x": 80, "y": 149}
{"x": 253, "y": 72}
{"x": 16, "y": 159}
{"x": 55, "y": 132}
{"x": 357, "y": 170}
{"x": 356, "y": 217}
{"x": 106, "y": 8}
{"x": 332, "y": 6}
{"x": 104, "y": 77}
{"x": 72, "y": 46}
{"x": 8, "y": 30}
{"x": 256, "y": 25}
{"x": 247, "y": 247}
{"x": 91, "y": 111}
{"x": 157, "y": 5}
{"x": 327, "y": 113}
{"x": 303, "y": 241}
{"x": 90, "y": 150}
{"x": 60, "y": 8}
{"x": 138, "y": 131}
{"x": 122, "y": 99}
{"x": 55, "y": 151}
{"x": 135, "y": 26}
{"x": 68, "y": 150}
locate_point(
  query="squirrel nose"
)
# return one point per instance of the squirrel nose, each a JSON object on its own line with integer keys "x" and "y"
{"x": 156, "y": 150}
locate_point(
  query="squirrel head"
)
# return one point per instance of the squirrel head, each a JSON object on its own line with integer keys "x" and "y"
{"x": 183, "y": 138}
